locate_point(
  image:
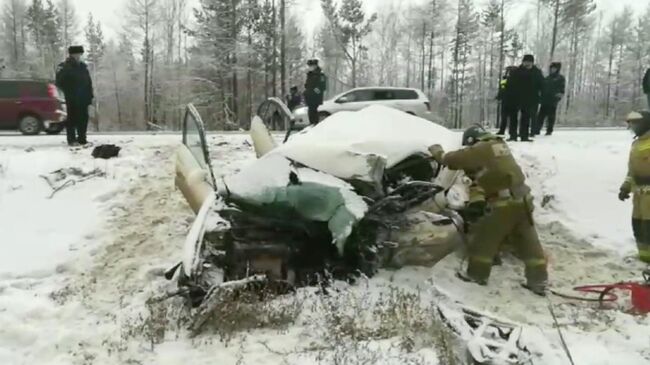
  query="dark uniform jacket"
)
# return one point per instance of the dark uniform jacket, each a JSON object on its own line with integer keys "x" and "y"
{"x": 74, "y": 79}
{"x": 315, "y": 87}
{"x": 526, "y": 85}
{"x": 646, "y": 82}
{"x": 293, "y": 101}
{"x": 554, "y": 84}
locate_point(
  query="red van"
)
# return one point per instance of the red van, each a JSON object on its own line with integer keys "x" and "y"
{"x": 31, "y": 106}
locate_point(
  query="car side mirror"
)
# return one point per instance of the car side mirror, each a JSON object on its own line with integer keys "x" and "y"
{"x": 342, "y": 100}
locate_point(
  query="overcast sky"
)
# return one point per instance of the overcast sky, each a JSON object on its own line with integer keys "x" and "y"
{"x": 109, "y": 11}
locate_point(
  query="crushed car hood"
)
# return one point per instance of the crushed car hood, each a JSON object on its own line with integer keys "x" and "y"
{"x": 360, "y": 145}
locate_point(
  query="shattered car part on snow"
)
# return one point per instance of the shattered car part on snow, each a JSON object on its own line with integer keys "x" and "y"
{"x": 54, "y": 179}
{"x": 345, "y": 198}
{"x": 488, "y": 340}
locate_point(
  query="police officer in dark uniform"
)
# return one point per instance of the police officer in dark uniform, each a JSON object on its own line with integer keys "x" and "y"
{"x": 552, "y": 93}
{"x": 315, "y": 87}
{"x": 73, "y": 78}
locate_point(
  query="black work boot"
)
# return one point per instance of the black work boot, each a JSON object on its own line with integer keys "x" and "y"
{"x": 537, "y": 289}
{"x": 466, "y": 278}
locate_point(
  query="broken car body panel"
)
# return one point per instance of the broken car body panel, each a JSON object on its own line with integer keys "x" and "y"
{"x": 332, "y": 199}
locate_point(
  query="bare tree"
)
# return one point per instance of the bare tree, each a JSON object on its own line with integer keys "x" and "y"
{"x": 69, "y": 23}
{"x": 13, "y": 25}
{"x": 617, "y": 35}
{"x": 144, "y": 15}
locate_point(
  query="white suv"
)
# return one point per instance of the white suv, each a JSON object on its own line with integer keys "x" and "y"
{"x": 412, "y": 101}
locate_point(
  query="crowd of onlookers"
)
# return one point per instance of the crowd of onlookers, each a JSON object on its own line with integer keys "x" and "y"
{"x": 529, "y": 100}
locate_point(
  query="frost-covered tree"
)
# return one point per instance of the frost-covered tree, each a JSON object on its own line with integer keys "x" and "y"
{"x": 349, "y": 26}
{"x": 616, "y": 38}
{"x": 465, "y": 32}
{"x": 14, "y": 34}
{"x": 68, "y": 22}
{"x": 95, "y": 41}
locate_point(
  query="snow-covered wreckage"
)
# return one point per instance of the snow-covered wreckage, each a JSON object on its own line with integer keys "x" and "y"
{"x": 353, "y": 194}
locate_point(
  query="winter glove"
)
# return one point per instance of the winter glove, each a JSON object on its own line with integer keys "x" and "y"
{"x": 475, "y": 210}
{"x": 623, "y": 195}
{"x": 437, "y": 152}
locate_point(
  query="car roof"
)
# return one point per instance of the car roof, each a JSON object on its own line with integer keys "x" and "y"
{"x": 26, "y": 80}
{"x": 385, "y": 88}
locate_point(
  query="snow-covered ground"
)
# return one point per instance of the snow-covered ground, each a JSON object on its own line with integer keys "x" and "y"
{"x": 76, "y": 269}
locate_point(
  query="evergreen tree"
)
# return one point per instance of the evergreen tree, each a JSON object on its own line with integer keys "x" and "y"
{"x": 95, "y": 41}
{"x": 349, "y": 26}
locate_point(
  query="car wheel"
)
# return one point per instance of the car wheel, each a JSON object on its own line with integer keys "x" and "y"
{"x": 54, "y": 128}
{"x": 322, "y": 116}
{"x": 30, "y": 125}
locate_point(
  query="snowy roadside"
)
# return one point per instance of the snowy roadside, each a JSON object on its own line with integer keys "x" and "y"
{"x": 83, "y": 302}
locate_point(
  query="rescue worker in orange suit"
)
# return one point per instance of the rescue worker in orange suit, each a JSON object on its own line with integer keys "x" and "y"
{"x": 508, "y": 214}
{"x": 638, "y": 182}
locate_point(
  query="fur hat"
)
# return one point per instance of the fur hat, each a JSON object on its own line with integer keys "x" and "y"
{"x": 75, "y": 49}
{"x": 529, "y": 57}
{"x": 312, "y": 62}
{"x": 556, "y": 65}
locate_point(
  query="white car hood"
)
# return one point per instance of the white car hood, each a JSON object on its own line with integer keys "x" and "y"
{"x": 359, "y": 145}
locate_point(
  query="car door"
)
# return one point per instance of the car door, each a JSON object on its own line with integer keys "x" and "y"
{"x": 194, "y": 175}
{"x": 9, "y": 104}
{"x": 355, "y": 100}
{"x": 407, "y": 100}
{"x": 384, "y": 97}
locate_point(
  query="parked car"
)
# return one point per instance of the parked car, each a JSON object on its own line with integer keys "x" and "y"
{"x": 31, "y": 106}
{"x": 411, "y": 101}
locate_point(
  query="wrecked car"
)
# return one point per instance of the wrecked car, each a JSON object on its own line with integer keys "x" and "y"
{"x": 353, "y": 194}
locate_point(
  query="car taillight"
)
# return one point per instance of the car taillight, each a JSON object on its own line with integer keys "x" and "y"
{"x": 428, "y": 105}
{"x": 51, "y": 91}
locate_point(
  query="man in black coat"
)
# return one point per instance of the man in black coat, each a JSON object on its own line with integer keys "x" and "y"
{"x": 73, "y": 78}
{"x": 552, "y": 93}
{"x": 293, "y": 99}
{"x": 646, "y": 85}
{"x": 508, "y": 103}
{"x": 315, "y": 87}
{"x": 526, "y": 82}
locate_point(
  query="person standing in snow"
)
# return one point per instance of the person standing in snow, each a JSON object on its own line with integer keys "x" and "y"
{"x": 526, "y": 82}
{"x": 73, "y": 78}
{"x": 638, "y": 181}
{"x": 293, "y": 99}
{"x": 508, "y": 105}
{"x": 552, "y": 93}
{"x": 315, "y": 87}
{"x": 646, "y": 85}
{"x": 508, "y": 214}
